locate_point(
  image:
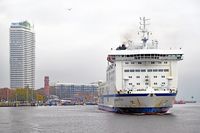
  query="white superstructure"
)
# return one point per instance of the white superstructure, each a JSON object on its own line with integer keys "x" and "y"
{"x": 140, "y": 78}
{"x": 22, "y": 55}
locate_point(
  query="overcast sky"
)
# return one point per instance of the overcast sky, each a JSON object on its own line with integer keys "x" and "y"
{"x": 71, "y": 46}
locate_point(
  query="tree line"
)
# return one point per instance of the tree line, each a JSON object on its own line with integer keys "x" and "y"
{"x": 21, "y": 94}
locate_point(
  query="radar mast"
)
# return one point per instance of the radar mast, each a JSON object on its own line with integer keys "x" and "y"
{"x": 143, "y": 30}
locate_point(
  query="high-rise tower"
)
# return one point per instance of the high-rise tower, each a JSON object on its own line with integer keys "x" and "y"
{"x": 22, "y": 55}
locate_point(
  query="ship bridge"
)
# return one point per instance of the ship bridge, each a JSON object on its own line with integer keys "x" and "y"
{"x": 144, "y": 55}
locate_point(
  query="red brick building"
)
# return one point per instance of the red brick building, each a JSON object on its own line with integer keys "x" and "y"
{"x": 5, "y": 94}
{"x": 46, "y": 85}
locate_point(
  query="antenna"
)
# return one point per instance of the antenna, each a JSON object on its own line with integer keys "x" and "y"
{"x": 145, "y": 33}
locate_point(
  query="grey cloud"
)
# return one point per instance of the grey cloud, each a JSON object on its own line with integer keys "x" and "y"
{"x": 72, "y": 46}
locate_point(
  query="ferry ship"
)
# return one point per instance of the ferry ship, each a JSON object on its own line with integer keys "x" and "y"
{"x": 140, "y": 78}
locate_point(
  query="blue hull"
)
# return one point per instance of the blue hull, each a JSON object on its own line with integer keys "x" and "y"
{"x": 146, "y": 110}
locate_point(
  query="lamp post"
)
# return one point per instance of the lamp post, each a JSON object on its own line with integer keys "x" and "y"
{"x": 27, "y": 96}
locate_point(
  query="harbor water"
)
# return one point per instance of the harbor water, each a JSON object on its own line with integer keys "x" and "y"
{"x": 183, "y": 118}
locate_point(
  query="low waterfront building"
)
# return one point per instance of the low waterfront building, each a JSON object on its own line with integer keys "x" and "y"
{"x": 6, "y": 94}
{"x": 85, "y": 92}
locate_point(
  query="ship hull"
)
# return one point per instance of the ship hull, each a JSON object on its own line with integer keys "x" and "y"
{"x": 137, "y": 103}
{"x": 146, "y": 110}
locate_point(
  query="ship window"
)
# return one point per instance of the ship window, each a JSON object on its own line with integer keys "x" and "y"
{"x": 138, "y": 83}
{"x": 146, "y": 83}
{"x": 163, "y": 83}
{"x": 146, "y": 76}
{"x": 131, "y": 70}
{"x": 165, "y": 62}
{"x": 126, "y": 62}
{"x": 159, "y": 62}
{"x": 149, "y": 70}
{"x": 137, "y": 70}
{"x": 162, "y": 76}
{"x": 155, "y": 83}
{"x": 126, "y": 70}
{"x": 152, "y": 62}
{"x": 155, "y": 76}
{"x": 130, "y": 76}
{"x": 160, "y": 70}
{"x": 155, "y": 70}
{"x": 143, "y": 70}
{"x": 139, "y": 62}
{"x": 166, "y": 70}
{"x": 130, "y": 83}
{"x": 178, "y": 57}
{"x": 132, "y": 62}
{"x": 137, "y": 76}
